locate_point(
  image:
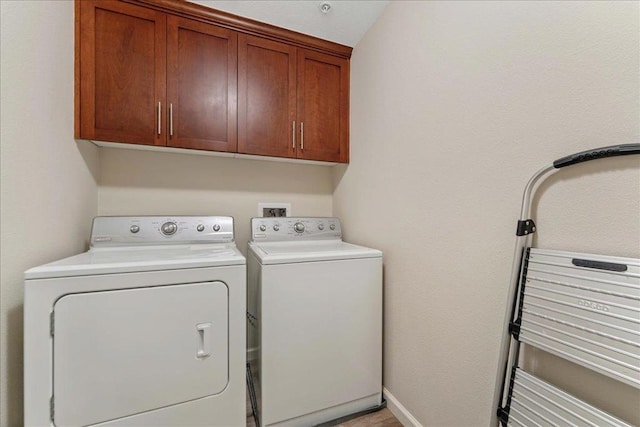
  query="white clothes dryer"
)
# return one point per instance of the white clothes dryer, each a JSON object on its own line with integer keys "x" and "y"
{"x": 147, "y": 328}
{"x": 315, "y": 321}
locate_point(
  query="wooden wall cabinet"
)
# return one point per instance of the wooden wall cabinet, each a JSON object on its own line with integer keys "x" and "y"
{"x": 266, "y": 97}
{"x": 201, "y": 85}
{"x": 121, "y": 66}
{"x": 151, "y": 78}
{"x": 292, "y": 102}
{"x": 175, "y": 74}
{"x": 323, "y": 106}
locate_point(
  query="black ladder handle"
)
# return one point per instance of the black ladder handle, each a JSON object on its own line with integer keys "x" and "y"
{"x": 597, "y": 153}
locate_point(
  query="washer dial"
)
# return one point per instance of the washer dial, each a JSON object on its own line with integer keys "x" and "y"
{"x": 169, "y": 228}
{"x": 298, "y": 227}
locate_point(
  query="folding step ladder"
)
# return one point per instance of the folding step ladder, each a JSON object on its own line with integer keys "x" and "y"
{"x": 583, "y": 308}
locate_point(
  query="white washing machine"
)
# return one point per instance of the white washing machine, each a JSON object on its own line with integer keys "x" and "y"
{"x": 315, "y": 321}
{"x": 147, "y": 328}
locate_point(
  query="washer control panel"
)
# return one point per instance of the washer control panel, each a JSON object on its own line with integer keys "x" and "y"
{"x": 295, "y": 228}
{"x": 151, "y": 230}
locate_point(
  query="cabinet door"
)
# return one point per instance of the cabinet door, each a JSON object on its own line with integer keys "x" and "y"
{"x": 266, "y": 97}
{"x": 323, "y": 107}
{"x": 201, "y": 85}
{"x": 122, "y": 72}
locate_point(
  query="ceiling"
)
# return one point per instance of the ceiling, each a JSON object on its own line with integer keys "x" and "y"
{"x": 345, "y": 23}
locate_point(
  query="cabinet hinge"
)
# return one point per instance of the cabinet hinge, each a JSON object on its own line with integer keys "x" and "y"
{"x": 52, "y": 321}
{"x": 52, "y": 411}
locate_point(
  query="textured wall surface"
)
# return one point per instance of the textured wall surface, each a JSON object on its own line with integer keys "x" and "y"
{"x": 48, "y": 181}
{"x": 454, "y": 106}
{"x": 150, "y": 183}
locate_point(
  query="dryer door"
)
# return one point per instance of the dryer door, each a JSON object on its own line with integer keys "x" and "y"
{"x": 123, "y": 352}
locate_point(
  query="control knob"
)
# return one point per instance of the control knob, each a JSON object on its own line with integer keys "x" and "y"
{"x": 169, "y": 228}
{"x": 298, "y": 227}
{"x": 134, "y": 229}
{"x": 320, "y": 227}
{"x": 263, "y": 227}
{"x": 200, "y": 227}
{"x": 332, "y": 226}
{"x": 216, "y": 227}
{"x": 276, "y": 228}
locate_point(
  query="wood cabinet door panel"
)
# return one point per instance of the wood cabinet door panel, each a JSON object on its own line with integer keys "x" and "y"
{"x": 201, "y": 85}
{"x": 147, "y": 76}
{"x": 266, "y": 97}
{"x": 122, "y": 72}
{"x": 323, "y": 107}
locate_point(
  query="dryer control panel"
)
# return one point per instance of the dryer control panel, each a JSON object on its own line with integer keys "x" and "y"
{"x": 295, "y": 229}
{"x": 154, "y": 230}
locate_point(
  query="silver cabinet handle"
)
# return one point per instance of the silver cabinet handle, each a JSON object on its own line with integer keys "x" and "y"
{"x": 170, "y": 119}
{"x": 293, "y": 125}
{"x": 302, "y": 136}
{"x": 159, "y": 117}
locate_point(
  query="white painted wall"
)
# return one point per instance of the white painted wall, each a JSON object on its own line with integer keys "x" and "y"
{"x": 153, "y": 183}
{"x": 454, "y": 105}
{"x": 48, "y": 182}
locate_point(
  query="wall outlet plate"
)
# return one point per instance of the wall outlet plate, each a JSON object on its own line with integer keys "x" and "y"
{"x": 274, "y": 209}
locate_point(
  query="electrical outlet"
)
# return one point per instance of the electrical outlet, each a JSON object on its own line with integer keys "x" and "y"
{"x": 274, "y": 209}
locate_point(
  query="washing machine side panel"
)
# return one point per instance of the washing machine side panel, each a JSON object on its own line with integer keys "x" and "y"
{"x": 254, "y": 348}
{"x": 122, "y": 352}
{"x": 321, "y": 335}
{"x": 253, "y": 278}
{"x": 225, "y": 409}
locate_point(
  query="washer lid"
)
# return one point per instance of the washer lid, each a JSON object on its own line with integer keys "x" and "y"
{"x": 135, "y": 259}
{"x": 291, "y": 252}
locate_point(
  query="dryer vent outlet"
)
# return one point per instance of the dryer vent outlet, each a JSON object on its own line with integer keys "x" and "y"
{"x": 274, "y": 209}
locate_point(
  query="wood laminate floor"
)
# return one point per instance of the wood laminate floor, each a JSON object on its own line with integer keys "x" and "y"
{"x": 382, "y": 418}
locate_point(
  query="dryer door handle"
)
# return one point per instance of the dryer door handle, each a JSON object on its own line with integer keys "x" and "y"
{"x": 204, "y": 340}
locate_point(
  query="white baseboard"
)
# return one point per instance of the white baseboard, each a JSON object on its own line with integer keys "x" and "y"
{"x": 399, "y": 411}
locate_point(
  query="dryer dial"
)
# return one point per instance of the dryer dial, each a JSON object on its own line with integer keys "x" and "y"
{"x": 298, "y": 227}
